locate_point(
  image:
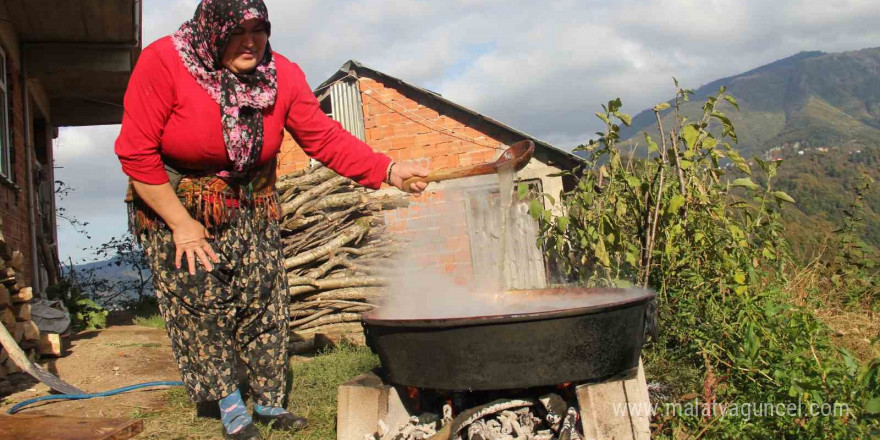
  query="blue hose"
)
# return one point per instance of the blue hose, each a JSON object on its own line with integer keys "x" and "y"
{"x": 22, "y": 405}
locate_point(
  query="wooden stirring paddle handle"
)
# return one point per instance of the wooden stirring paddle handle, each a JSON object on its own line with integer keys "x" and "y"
{"x": 453, "y": 173}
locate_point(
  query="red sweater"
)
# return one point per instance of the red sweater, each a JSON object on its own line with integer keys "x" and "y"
{"x": 169, "y": 116}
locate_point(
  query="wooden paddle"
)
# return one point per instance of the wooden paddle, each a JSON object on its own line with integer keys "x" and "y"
{"x": 517, "y": 156}
{"x": 20, "y": 358}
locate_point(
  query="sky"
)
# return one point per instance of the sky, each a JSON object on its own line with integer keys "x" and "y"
{"x": 543, "y": 67}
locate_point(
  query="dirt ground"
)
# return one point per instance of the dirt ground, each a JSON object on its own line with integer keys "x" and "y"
{"x": 102, "y": 360}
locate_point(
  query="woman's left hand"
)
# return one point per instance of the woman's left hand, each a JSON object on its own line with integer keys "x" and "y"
{"x": 404, "y": 170}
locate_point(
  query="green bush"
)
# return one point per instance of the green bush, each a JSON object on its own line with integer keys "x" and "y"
{"x": 713, "y": 248}
{"x": 85, "y": 314}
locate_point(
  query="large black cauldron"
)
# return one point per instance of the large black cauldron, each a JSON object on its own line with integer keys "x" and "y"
{"x": 602, "y": 338}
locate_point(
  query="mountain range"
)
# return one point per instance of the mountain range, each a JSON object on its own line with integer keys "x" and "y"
{"x": 817, "y": 99}
{"x": 817, "y": 112}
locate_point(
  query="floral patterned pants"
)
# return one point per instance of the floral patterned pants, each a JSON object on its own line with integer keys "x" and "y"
{"x": 236, "y": 312}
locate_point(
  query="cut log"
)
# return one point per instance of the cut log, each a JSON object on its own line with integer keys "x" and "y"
{"x": 338, "y": 318}
{"x": 5, "y": 297}
{"x": 339, "y": 283}
{"x": 7, "y": 316}
{"x": 317, "y": 304}
{"x": 356, "y": 231}
{"x": 31, "y": 331}
{"x": 20, "y": 284}
{"x": 311, "y": 178}
{"x": 51, "y": 345}
{"x": 351, "y": 294}
{"x": 25, "y": 294}
{"x": 309, "y": 196}
{"x": 17, "y": 261}
{"x": 301, "y": 317}
{"x": 346, "y": 327}
{"x": 23, "y": 312}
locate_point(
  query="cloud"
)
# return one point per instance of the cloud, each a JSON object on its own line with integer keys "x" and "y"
{"x": 542, "y": 67}
{"x": 84, "y": 161}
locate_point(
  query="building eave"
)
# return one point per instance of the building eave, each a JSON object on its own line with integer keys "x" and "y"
{"x": 81, "y": 52}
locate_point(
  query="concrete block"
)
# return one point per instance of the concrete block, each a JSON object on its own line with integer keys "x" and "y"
{"x": 618, "y": 408}
{"x": 362, "y": 402}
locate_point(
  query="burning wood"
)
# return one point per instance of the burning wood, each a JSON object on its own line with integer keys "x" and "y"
{"x": 335, "y": 249}
{"x": 502, "y": 419}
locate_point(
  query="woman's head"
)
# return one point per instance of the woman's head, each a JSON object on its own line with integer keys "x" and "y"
{"x": 246, "y": 46}
{"x": 231, "y": 33}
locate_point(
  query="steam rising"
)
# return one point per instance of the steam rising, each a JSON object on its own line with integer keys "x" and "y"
{"x": 420, "y": 289}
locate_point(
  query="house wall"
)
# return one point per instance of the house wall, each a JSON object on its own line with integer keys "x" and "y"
{"x": 413, "y": 127}
{"x": 13, "y": 195}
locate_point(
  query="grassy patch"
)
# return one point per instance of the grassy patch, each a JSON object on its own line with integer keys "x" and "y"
{"x": 315, "y": 385}
{"x": 152, "y": 321}
{"x": 146, "y": 313}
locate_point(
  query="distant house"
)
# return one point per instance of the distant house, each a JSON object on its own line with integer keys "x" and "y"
{"x": 62, "y": 63}
{"x": 456, "y": 226}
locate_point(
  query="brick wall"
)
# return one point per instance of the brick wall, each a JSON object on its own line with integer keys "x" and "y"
{"x": 413, "y": 127}
{"x": 13, "y": 201}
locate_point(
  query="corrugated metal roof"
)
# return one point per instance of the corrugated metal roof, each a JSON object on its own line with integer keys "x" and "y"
{"x": 353, "y": 67}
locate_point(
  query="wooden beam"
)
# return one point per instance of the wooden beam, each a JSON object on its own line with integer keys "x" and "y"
{"x": 40, "y": 426}
{"x": 79, "y": 112}
{"x": 46, "y": 58}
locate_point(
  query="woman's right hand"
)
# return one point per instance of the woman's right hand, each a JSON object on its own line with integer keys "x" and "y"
{"x": 191, "y": 239}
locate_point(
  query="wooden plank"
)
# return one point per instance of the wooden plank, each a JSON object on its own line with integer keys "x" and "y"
{"x": 39, "y": 427}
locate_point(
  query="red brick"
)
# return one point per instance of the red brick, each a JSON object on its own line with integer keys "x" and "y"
{"x": 402, "y": 142}
{"x": 381, "y": 144}
{"x": 443, "y": 149}
{"x": 428, "y": 113}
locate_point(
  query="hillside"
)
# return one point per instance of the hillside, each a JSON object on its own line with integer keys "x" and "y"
{"x": 818, "y": 112}
{"x": 824, "y": 184}
{"x": 814, "y": 98}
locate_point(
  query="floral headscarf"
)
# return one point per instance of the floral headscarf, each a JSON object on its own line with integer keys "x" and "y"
{"x": 200, "y": 42}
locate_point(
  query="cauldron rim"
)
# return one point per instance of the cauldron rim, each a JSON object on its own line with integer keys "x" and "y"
{"x": 645, "y": 296}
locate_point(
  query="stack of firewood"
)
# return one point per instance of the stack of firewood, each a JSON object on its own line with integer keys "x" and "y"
{"x": 15, "y": 311}
{"x": 336, "y": 253}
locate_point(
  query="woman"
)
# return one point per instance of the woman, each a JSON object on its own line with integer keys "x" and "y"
{"x": 204, "y": 116}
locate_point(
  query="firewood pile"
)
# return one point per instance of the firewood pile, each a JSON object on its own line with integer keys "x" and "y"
{"x": 15, "y": 311}
{"x": 546, "y": 418}
{"x": 336, "y": 253}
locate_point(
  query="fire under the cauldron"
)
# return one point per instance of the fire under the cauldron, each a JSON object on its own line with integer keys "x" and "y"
{"x": 486, "y": 416}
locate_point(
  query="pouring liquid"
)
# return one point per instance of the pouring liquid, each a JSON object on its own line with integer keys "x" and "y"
{"x": 506, "y": 176}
